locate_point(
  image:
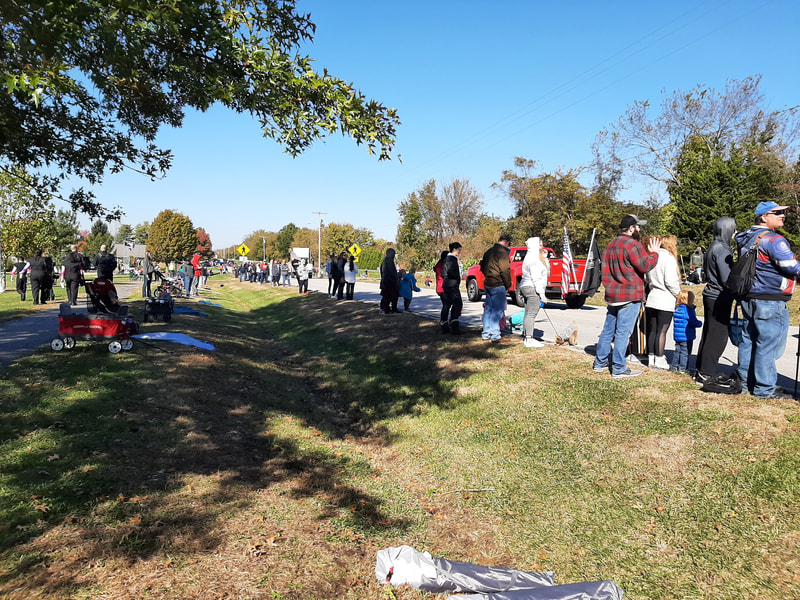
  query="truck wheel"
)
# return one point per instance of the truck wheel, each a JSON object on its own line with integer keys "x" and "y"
{"x": 473, "y": 293}
{"x": 575, "y": 300}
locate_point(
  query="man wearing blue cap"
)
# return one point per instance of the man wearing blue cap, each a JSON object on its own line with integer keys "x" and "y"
{"x": 765, "y": 311}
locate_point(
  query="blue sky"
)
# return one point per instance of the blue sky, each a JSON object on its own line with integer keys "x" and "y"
{"x": 475, "y": 84}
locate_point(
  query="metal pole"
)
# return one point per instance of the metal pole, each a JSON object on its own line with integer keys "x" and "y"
{"x": 2, "y": 265}
{"x": 264, "y": 247}
{"x": 319, "y": 240}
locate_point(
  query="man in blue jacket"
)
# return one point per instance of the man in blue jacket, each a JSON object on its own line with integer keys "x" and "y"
{"x": 765, "y": 311}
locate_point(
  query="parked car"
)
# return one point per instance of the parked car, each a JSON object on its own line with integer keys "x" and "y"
{"x": 575, "y": 298}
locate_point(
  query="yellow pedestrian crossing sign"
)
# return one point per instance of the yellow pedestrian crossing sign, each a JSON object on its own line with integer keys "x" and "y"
{"x": 355, "y": 250}
{"x": 243, "y": 250}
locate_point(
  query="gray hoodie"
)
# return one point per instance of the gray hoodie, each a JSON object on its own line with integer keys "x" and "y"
{"x": 719, "y": 258}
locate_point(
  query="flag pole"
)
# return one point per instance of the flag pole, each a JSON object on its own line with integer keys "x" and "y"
{"x": 591, "y": 243}
{"x": 571, "y": 262}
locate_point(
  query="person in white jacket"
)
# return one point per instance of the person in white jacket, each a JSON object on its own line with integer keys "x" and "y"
{"x": 663, "y": 285}
{"x": 531, "y": 287}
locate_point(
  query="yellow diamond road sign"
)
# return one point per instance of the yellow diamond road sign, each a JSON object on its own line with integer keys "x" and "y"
{"x": 243, "y": 250}
{"x": 355, "y": 250}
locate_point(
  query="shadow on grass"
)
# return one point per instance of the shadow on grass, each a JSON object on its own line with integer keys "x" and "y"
{"x": 101, "y": 444}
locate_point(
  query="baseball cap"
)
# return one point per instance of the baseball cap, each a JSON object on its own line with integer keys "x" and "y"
{"x": 766, "y": 207}
{"x": 629, "y": 220}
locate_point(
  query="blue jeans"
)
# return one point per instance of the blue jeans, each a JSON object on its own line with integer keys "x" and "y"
{"x": 495, "y": 307}
{"x": 617, "y": 329}
{"x": 680, "y": 358}
{"x": 766, "y": 326}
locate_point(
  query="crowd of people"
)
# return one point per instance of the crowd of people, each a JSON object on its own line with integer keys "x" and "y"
{"x": 644, "y": 273}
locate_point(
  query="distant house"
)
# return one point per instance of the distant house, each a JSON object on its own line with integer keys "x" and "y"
{"x": 129, "y": 256}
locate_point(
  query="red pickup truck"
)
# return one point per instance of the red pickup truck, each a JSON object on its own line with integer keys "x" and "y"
{"x": 575, "y": 299}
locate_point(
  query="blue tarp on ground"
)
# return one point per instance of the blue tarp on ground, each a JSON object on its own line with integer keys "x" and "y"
{"x": 185, "y": 310}
{"x": 178, "y": 338}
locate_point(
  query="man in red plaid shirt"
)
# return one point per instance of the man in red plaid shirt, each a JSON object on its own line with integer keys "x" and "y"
{"x": 625, "y": 261}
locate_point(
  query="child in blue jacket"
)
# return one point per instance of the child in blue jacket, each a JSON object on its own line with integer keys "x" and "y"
{"x": 408, "y": 285}
{"x": 683, "y": 330}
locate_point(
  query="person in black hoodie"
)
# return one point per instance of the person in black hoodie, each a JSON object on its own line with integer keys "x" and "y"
{"x": 452, "y": 304}
{"x": 717, "y": 301}
{"x": 390, "y": 285}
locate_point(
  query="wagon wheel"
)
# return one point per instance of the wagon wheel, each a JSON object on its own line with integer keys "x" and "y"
{"x": 69, "y": 342}
{"x": 57, "y": 344}
{"x": 114, "y": 347}
{"x": 126, "y": 344}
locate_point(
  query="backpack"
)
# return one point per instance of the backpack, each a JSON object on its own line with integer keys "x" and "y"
{"x": 743, "y": 272}
{"x": 722, "y": 384}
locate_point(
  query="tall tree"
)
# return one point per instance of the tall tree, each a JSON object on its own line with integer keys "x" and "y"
{"x": 650, "y": 145}
{"x": 725, "y": 183}
{"x": 340, "y": 236}
{"x": 124, "y": 234}
{"x": 140, "y": 233}
{"x": 98, "y": 236}
{"x": 204, "y": 247}
{"x": 110, "y": 74}
{"x": 172, "y": 236}
{"x": 285, "y": 239}
{"x": 461, "y": 207}
{"x": 66, "y": 232}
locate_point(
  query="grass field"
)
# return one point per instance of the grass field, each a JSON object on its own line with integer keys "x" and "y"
{"x": 319, "y": 432}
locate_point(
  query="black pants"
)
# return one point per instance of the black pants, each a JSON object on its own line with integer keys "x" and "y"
{"x": 40, "y": 287}
{"x": 452, "y": 304}
{"x": 389, "y": 296}
{"x": 73, "y": 285}
{"x": 715, "y": 333}
{"x": 348, "y": 292}
{"x": 22, "y": 286}
{"x": 302, "y": 285}
{"x": 657, "y": 325}
{"x": 331, "y": 286}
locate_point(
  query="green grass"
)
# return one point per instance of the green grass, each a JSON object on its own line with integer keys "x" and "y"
{"x": 347, "y": 432}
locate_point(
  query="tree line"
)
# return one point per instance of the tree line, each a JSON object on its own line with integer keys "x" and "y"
{"x": 707, "y": 154}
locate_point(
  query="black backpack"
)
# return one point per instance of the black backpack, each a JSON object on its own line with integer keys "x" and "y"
{"x": 743, "y": 272}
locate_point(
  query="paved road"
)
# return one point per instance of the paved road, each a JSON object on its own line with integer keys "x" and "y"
{"x": 21, "y": 337}
{"x": 589, "y": 321}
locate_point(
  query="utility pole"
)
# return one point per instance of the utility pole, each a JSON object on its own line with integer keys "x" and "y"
{"x": 319, "y": 241}
{"x": 264, "y": 247}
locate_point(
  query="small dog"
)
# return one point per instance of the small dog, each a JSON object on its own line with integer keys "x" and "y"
{"x": 569, "y": 335}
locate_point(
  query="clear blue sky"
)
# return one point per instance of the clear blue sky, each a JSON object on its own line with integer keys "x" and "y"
{"x": 475, "y": 84}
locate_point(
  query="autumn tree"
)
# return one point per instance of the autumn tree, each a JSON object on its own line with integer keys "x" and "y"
{"x": 435, "y": 215}
{"x": 87, "y": 85}
{"x": 172, "y": 236}
{"x": 98, "y": 236}
{"x": 261, "y": 243}
{"x": 340, "y": 236}
{"x": 204, "y": 248}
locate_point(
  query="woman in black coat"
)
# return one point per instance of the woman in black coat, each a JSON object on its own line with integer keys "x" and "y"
{"x": 40, "y": 278}
{"x": 390, "y": 286}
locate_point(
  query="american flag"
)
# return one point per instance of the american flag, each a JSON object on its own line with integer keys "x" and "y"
{"x": 566, "y": 266}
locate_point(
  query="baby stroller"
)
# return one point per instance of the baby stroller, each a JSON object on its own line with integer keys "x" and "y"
{"x": 104, "y": 320}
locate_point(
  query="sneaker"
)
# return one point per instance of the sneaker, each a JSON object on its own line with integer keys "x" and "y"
{"x": 778, "y": 394}
{"x": 627, "y": 373}
{"x": 634, "y": 360}
{"x": 533, "y": 343}
{"x": 600, "y": 369}
{"x": 701, "y": 378}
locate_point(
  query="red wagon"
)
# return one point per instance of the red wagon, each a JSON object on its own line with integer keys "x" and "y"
{"x": 104, "y": 320}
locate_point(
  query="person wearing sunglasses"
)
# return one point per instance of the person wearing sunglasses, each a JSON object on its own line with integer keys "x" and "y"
{"x": 765, "y": 310}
